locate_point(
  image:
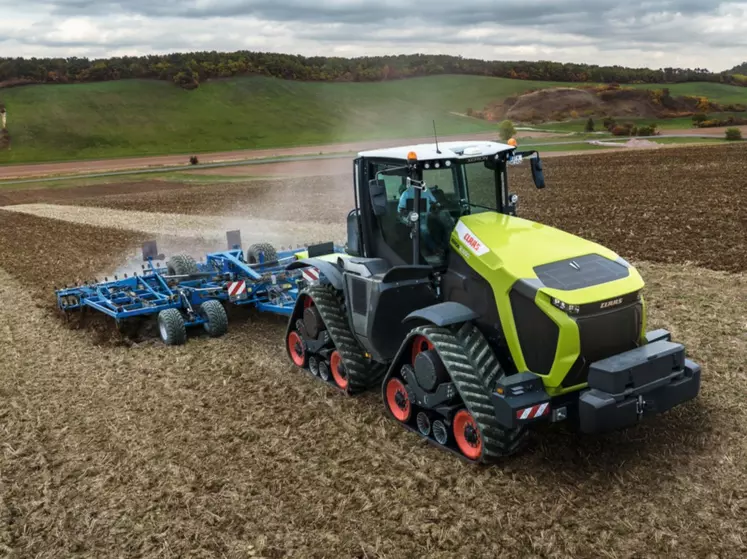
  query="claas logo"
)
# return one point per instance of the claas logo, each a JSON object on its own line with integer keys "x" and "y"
{"x": 471, "y": 241}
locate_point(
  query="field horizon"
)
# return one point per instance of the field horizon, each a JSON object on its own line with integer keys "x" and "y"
{"x": 144, "y": 117}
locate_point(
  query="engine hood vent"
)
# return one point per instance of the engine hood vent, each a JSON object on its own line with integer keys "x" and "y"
{"x": 579, "y": 273}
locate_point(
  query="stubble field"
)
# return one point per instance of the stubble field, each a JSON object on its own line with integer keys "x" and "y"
{"x": 220, "y": 448}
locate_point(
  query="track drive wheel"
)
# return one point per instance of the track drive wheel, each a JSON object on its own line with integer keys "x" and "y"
{"x": 338, "y": 370}
{"x": 467, "y": 434}
{"x": 420, "y": 343}
{"x": 397, "y": 400}
{"x": 297, "y": 349}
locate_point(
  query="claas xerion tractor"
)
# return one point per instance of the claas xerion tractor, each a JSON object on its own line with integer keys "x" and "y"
{"x": 478, "y": 324}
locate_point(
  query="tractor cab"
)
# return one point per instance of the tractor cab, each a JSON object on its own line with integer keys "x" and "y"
{"x": 409, "y": 199}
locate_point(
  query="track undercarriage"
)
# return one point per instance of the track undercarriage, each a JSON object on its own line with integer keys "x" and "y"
{"x": 438, "y": 386}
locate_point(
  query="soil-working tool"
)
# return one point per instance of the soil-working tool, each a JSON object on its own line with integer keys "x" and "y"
{"x": 475, "y": 323}
{"x": 186, "y": 293}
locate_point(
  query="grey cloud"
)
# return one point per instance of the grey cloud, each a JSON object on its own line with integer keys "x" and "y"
{"x": 526, "y": 12}
{"x": 600, "y": 20}
{"x": 563, "y": 27}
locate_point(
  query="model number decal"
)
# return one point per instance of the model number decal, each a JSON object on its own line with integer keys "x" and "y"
{"x": 471, "y": 240}
{"x": 613, "y": 303}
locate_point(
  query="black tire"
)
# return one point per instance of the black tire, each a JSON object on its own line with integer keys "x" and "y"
{"x": 217, "y": 319}
{"x": 181, "y": 265}
{"x": 266, "y": 249}
{"x": 171, "y": 327}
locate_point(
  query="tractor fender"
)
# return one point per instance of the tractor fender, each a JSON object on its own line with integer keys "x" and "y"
{"x": 328, "y": 269}
{"x": 443, "y": 314}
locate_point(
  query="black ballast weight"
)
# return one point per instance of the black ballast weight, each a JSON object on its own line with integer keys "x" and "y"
{"x": 637, "y": 368}
{"x": 649, "y": 379}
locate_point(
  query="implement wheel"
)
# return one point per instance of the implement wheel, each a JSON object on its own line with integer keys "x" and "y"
{"x": 171, "y": 327}
{"x": 268, "y": 252}
{"x": 215, "y": 315}
{"x": 181, "y": 265}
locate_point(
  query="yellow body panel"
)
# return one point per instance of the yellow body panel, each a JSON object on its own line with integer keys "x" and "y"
{"x": 504, "y": 249}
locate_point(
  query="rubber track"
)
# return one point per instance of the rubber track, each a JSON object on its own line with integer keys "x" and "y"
{"x": 361, "y": 374}
{"x": 464, "y": 353}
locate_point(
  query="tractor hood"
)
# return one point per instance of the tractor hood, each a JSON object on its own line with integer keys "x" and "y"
{"x": 528, "y": 250}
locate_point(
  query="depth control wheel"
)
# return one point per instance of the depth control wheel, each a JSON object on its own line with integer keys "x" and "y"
{"x": 467, "y": 435}
{"x": 397, "y": 400}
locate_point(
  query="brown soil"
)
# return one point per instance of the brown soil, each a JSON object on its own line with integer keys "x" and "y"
{"x": 46, "y": 253}
{"x": 642, "y": 204}
{"x": 220, "y": 449}
{"x": 671, "y": 205}
{"x": 10, "y": 196}
{"x": 561, "y": 102}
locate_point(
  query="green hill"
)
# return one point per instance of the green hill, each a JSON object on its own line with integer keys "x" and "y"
{"x": 134, "y": 117}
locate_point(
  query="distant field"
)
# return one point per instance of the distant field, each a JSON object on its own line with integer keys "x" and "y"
{"x": 132, "y": 118}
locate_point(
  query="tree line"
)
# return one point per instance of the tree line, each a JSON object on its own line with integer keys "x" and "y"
{"x": 189, "y": 69}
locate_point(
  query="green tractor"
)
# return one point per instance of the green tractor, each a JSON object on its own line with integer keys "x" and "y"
{"x": 478, "y": 324}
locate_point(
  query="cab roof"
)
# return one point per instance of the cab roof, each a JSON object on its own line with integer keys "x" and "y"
{"x": 449, "y": 150}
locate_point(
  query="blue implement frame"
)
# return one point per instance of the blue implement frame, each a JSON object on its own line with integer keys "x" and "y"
{"x": 225, "y": 276}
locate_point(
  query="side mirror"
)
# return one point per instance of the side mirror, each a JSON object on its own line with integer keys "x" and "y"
{"x": 354, "y": 240}
{"x": 377, "y": 193}
{"x": 537, "y": 174}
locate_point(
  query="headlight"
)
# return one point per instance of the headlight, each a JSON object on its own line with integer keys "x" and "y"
{"x": 571, "y": 309}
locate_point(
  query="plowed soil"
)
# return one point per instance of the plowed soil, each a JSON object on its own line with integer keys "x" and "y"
{"x": 672, "y": 206}
{"x": 219, "y": 448}
{"x": 60, "y": 195}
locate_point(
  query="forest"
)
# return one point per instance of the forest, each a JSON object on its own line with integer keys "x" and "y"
{"x": 187, "y": 70}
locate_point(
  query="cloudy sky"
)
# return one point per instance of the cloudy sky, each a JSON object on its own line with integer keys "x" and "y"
{"x": 681, "y": 33}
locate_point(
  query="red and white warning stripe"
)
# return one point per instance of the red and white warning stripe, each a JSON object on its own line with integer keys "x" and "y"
{"x": 534, "y": 411}
{"x": 236, "y": 288}
{"x": 310, "y": 274}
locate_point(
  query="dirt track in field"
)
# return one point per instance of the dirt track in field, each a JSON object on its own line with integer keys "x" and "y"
{"x": 41, "y": 169}
{"x": 220, "y": 449}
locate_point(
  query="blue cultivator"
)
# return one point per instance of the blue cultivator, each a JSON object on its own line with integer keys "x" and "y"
{"x": 186, "y": 293}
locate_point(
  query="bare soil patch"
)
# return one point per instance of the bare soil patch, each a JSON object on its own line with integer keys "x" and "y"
{"x": 560, "y": 103}
{"x": 44, "y": 253}
{"x": 685, "y": 205}
{"x": 220, "y": 448}
{"x": 207, "y": 228}
{"x": 60, "y": 195}
{"x": 321, "y": 199}
{"x": 679, "y": 204}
